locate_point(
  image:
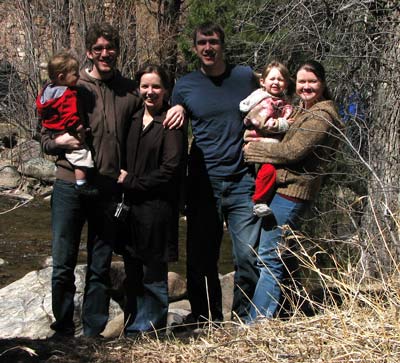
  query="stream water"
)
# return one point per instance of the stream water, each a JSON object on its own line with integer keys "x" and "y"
{"x": 25, "y": 240}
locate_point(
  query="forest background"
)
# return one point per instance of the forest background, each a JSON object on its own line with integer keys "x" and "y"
{"x": 352, "y": 242}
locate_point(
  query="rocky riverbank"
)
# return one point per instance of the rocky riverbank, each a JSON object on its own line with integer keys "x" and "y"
{"x": 26, "y": 303}
{"x": 24, "y": 170}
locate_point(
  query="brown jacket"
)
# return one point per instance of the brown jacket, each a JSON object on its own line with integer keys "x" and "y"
{"x": 303, "y": 152}
{"x": 107, "y": 107}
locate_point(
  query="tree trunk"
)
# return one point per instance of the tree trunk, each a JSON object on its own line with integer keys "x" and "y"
{"x": 380, "y": 226}
{"x": 168, "y": 30}
{"x": 61, "y": 27}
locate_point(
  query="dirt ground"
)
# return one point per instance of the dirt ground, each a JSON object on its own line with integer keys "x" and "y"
{"x": 71, "y": 350}
{"x": 85, "y": 350}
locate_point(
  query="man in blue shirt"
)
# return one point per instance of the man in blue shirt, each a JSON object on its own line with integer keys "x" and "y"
{"x": 220, "y": 184}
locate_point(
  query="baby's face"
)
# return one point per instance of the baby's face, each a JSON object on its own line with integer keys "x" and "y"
{"x": 274, "y": 83}
{"x": 69, "y": 79}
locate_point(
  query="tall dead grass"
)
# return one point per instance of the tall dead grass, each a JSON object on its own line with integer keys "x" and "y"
{"x": 357, "y": 335}
{"x": 352, "y": 320}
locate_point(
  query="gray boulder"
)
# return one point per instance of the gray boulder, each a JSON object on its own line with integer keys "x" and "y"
{"x": 115, "y": 327}
{"x": 39, "y": 168}
{"x": 176, "y": 314}
{"x": 29, "y": 149}
{"x": 227, "y": 282}
{"x": 179, "y": 308}
{"x": 176, "y": 286}
{"x": 10, "y": 178}
{"x": 25, "y": 305}
{"x": 23, "y": 151}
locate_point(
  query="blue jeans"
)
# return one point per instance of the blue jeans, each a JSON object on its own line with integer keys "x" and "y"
{"x": 69, "y": 213}
{"x": 146, "y": 288}
{"x": 267, "y": 295}
{"x": 210, "y": 202}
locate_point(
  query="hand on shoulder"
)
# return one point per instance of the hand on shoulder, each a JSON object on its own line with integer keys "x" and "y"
{"x": 175, "y": 117}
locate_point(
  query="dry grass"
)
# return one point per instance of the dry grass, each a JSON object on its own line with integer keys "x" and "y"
{"x": 355, "y": 320}
{"x": 352, "y": 322}
{"x": 361, "y": 330}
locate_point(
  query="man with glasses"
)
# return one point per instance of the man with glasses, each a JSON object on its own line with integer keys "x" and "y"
{"x": 107, "y": 101}
{"x": 220, "y": 184}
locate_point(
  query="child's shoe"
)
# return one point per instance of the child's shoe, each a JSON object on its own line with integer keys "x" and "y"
{"x": 261, "y": 210}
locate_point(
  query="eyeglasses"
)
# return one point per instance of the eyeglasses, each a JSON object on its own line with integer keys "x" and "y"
{"x": 98, "y": 49}
{"x": 209, "y": 41}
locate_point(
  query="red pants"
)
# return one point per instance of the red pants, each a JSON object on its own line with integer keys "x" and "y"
{"x": 265, "y": 182}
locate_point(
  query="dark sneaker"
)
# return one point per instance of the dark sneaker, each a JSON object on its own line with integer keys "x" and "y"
{"x": 87, "y": 190}
{"x": 91, "y": 338}
{"x": 197, "y": 324}
{"x": 62, "y": 331}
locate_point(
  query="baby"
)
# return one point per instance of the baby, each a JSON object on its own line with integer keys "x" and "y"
{"x": 58, "y": 111}
{"x": 266, "y": 120}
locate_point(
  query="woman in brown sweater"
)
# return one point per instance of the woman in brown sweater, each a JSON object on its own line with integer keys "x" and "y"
{"x": 299, "y": 160}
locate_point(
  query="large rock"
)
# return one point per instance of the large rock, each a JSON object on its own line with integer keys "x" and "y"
{"x": 39, "y": 168}
{"x": 176, "y": 286}
{"x": 177, "y": 310}
{"x": 182, "y": 305}
{"x": 114, "y": 328}
{"x": 7, "y": 130}
{"x": 176, "y": 314}
{"x": 227, "y": 282}
{"x": 25, "y": 305}
{"x": 9, "y": 177}
{"x": 23, "y": 152}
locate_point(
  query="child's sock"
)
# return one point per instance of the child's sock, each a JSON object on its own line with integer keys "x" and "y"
{"x": 80, "y": 181}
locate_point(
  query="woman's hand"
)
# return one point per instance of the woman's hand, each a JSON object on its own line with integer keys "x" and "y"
{"x": 122, "y": 176}
{"x": 67, "y": 141}
{"x": 245, "y": 151}
{"x": 175, "y": 117}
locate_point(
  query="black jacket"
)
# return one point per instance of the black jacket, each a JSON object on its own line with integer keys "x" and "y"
{"x": 154, "y": 158}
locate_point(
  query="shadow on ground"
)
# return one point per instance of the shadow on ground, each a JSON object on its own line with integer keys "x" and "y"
{"x": 77, "y": 350}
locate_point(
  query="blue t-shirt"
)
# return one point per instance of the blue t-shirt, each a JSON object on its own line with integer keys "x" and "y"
{"x": 212, "y": 104}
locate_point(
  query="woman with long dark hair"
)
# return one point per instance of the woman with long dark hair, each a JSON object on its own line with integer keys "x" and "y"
{"x": 151, "y": 184}
{"x": 299, "y": 160}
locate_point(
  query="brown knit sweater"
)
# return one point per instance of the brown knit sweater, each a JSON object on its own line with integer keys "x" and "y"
{"x": 306, "y": 148}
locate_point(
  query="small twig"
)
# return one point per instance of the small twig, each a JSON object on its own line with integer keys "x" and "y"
{"x": 18, "y": 205}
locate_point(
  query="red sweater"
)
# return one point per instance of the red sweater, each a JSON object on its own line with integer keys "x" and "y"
{"x": 57, "y": 108}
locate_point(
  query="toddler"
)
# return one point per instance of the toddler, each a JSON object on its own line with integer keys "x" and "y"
{"x": 58, "y": 110}
{"x": 267, "y": 120}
